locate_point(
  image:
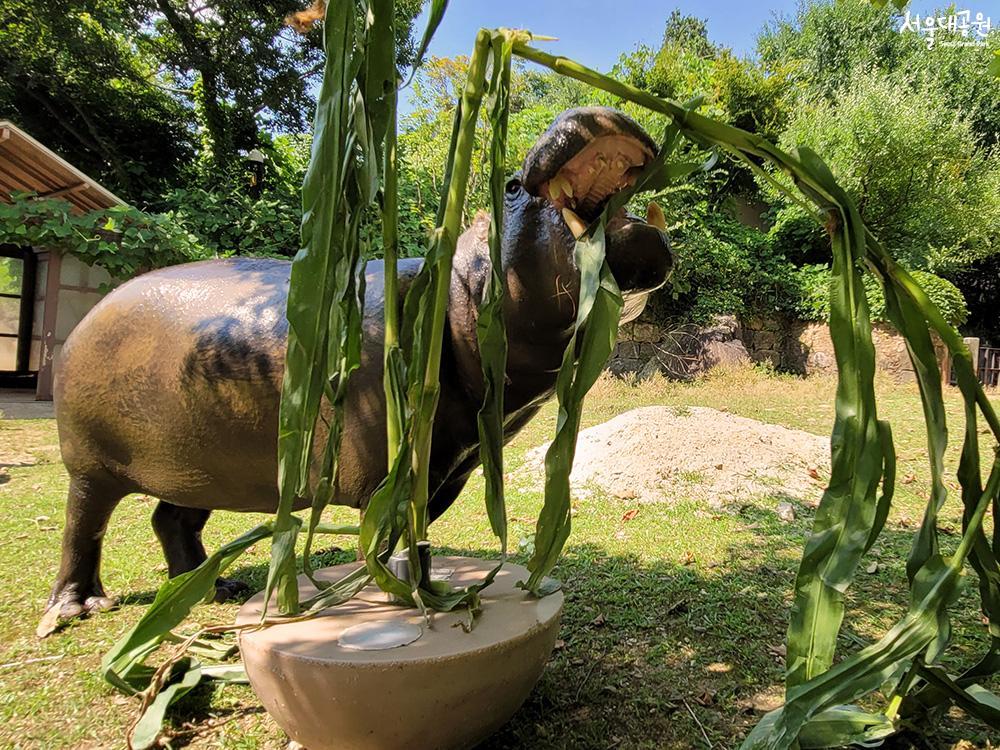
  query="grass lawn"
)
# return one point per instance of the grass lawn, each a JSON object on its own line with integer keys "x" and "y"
{"x": 674, "y": 619}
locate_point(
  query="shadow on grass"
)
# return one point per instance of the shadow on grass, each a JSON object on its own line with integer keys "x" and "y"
{"x": 662, "y": 654}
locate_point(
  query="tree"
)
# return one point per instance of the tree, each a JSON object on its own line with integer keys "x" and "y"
{"x": 826, "y": 43}
{"x": 237, "y": 64}
{"x": 242, "y": 67}
{"x": 70, "y": 75}
{"x": 913, "y": 166}
{"x": 130, "y": 91}
{"x": 688, "y": 33}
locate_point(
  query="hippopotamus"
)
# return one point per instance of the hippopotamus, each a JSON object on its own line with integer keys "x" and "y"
{"x": 170, "y": 386}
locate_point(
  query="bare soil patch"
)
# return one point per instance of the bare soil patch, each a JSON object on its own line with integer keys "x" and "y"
{"x": 664, "y": 453}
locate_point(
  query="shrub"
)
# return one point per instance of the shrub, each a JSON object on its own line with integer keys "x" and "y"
{"x": 722, "y": 267}
{"x": 814, "y": 300}
{"x": 912, "y": 164}
{"x": 228, "y": 222}
{"x": 122, "y": 240}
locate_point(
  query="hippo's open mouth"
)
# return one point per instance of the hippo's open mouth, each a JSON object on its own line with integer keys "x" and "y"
{"x": 587, "y": 155}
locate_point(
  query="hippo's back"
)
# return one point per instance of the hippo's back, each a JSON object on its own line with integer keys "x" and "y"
{"x": 171, "y": 383}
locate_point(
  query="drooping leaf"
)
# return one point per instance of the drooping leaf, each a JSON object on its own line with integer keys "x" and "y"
{"x": 325, "y": 235}
{"x": 173, "y": 602}
{"x": 434, "y": 18}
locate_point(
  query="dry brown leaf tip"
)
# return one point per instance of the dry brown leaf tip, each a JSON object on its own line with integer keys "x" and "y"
{"x": 304, "y": 20}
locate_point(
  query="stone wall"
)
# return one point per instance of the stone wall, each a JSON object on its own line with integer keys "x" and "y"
{"x": 679, "y": 353}
{"x": 805, "y": 347}
{"x": 789, "y": 345}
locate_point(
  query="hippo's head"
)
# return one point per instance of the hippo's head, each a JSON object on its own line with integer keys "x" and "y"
{"x": 585, "y": 156}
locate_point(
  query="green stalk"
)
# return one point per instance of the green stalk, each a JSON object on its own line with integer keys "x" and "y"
{"x": 447, "y": 239}
{"x": 390, "y": 242}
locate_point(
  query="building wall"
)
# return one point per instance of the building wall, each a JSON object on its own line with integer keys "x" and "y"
{"x": 76, "y": 289}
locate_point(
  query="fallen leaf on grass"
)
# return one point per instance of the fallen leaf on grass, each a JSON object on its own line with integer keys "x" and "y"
{"x": 765, "y": 701}
{"x": 688, "y": 558}
{"x": 599, "y": 621}
{"x": 705, "y": 698}
{"x": 48, "y": 624}
{"x": 630, "y": 514}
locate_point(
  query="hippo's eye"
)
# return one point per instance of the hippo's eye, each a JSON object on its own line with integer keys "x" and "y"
{"x": 513, "y": 186}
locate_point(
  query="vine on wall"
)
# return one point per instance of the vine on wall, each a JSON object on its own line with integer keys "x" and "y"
{"x": 122, "y": 240}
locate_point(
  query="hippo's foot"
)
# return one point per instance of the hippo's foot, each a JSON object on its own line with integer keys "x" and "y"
{"x": 70, "y": 603}
{"x": 229, "y": 588}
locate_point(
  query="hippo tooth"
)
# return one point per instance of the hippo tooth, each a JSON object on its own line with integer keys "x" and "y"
{"x": 559, "y": 186}
{"x": 576, "y": 225}
{"x": 655, "y": 217}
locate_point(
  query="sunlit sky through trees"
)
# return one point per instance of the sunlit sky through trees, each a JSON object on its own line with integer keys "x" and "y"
{"x": 596, "y": 32}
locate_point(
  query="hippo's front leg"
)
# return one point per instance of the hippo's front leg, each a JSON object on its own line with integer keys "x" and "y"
{"x": 78, "y": 589}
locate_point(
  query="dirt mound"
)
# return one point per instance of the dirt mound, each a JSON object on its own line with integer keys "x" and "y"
{"x": 663, "y": 453}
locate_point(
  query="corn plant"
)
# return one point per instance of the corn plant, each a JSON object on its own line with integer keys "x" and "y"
{"x": 353, "y": 166}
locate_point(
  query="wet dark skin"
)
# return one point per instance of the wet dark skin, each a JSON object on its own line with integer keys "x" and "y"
{"x": 170, "y": 386}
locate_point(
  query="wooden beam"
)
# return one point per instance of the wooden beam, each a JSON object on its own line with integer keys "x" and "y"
{"x": 50, "y": 314}
{"x": 4, "y": 134}
{"x": 65, "y": 190}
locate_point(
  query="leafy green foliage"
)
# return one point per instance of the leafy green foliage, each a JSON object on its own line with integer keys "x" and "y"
{"x": 814, "y": 295}
{"x": 851, "y": 514}
{"x": 826, "y": 43}
{"x": 721, "y": 266}
{"x": 71, "y": 75}
{"x": 133, "y": 92}
{"x": 912, "y": 132}
{"x": 911, "y": 165}
{"x": 230, "y": 217}
{"x": 236, "y": 224}
{"x": 122, "y": 240}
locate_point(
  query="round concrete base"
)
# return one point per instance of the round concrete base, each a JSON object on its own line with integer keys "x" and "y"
{"x": 376, "y": 688}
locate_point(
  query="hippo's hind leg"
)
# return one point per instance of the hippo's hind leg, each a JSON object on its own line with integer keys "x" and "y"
{"x": 78, "y": 588}
{"x": 179, "y": 532}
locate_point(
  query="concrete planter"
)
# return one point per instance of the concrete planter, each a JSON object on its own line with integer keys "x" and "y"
{"x": 447, "y": 689}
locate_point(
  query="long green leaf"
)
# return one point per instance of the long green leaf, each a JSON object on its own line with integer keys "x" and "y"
{"x": 846, "y": 514}
{"x": 434, "y": 18}
{"x": 490, "y": 329}
{"x": 324, "y": 237}
{"x": 173, "y": 603}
